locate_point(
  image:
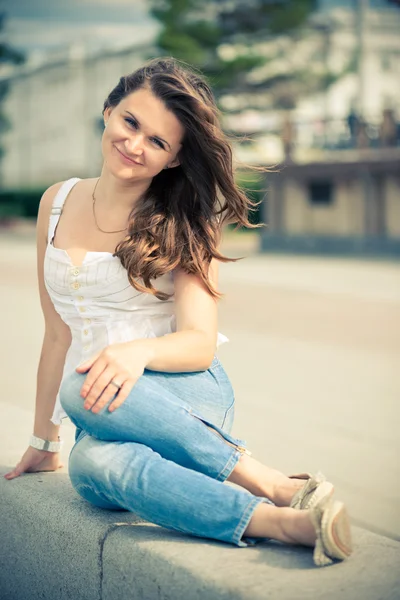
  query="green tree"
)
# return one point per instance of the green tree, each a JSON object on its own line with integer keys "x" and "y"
{"x": 222, "y": 38}
{"x": 7, "y": 55}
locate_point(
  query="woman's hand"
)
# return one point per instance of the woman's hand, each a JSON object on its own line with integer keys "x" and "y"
{"x": 36, "y": 460}
{"x": 122, "y": 363}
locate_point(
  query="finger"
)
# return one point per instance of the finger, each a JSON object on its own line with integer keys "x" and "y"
{"x": 122, "y": 395}
{"x": 98, "y": 368}
{"x": 87, "y": 364}
{"x": 110, "y": 391}
{"x": 99, "y": 388}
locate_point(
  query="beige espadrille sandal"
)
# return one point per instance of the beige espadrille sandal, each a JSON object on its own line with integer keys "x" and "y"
{"x": 312, "y": 492}
{"x": 332, "y": 527}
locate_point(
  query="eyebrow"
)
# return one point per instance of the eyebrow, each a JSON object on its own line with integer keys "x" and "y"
{"x": 157, "y": 136}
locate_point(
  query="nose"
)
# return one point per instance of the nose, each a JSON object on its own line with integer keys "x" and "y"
{"x": 134, "y": 144}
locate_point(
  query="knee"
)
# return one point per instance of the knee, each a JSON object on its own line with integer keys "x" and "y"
{"x": 86, "y": 474}
{"x": 70, "y": 398}
{"x": 80, "y": 465}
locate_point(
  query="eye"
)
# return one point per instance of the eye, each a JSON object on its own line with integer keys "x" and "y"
{"x": 131, "y": 122}
{"x": 159, "y": 144}
{"x": 134, "y": 124}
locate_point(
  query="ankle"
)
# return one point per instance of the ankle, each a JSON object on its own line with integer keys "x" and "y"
{"x": 285, "y": 489}
{"x": 298, "y": 527}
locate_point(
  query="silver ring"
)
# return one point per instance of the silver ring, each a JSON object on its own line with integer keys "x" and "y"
{"x": 116, "y": 384}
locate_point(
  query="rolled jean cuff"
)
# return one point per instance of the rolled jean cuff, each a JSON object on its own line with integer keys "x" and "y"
{"x": 230, "y": 465}
{"x": 244, "y": 522}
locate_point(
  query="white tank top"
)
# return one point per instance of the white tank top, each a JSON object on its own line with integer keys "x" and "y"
{"x": 97, "y": 301}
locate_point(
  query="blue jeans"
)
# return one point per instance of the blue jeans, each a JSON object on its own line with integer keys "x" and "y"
{"x": 164, "y": 454}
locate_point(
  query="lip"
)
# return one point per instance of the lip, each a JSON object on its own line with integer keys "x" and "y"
{"x": 127, "y": 159}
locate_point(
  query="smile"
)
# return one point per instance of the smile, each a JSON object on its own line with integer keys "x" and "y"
{"x": 126, "y": 158}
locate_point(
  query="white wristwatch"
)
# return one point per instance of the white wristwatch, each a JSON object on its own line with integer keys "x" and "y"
{"x": 41, "y": 444}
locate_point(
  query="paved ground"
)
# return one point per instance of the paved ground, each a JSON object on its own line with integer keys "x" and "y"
{"x": 313, "y": 356}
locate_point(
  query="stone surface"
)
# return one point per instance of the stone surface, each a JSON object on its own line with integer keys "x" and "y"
{"x": 55, "y": 545}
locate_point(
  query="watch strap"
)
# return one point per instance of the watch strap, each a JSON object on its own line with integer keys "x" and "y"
{"x": 49, "y": 446}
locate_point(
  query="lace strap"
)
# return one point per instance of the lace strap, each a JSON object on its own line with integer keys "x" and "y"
{"x": 58, "y": 204}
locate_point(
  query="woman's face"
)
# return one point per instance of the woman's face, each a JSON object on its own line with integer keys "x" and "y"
{"x": 141, "y": 138}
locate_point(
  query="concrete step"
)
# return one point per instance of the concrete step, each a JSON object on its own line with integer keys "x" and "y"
{"x": 54, "y": 545}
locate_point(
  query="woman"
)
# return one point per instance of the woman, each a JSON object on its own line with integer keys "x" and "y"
{"x": 128, "y": 287}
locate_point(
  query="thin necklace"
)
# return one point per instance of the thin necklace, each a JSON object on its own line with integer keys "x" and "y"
{"x": 94, "y": 214}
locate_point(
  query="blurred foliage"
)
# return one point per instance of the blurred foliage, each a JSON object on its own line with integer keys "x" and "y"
{"x": 196, "y": 30}
{"x": 253, "y": 185}
{"x": 20, "y": 203}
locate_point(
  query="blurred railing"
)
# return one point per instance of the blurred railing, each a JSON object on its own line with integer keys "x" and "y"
{"x": 341, "y": 134}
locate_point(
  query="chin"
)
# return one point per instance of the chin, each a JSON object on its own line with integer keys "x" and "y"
{"x": 119, "y": 170}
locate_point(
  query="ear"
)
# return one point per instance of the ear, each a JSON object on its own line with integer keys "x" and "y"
{"x": 107, "y": 114}
{"x": 174, "y": 163}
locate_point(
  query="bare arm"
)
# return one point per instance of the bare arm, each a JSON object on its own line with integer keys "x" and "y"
{"x": 57, "y": 339}
{"x": 57, "y": 336}
{"x": 190, "y": 348}
{"x": 193, "y": 345}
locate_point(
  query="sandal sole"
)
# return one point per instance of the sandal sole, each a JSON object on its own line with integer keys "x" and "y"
{"x": 337, "y": 536}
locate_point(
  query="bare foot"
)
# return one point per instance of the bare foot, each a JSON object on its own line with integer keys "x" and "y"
{"x": 285, "y": 489}
{"x": 282, "y": 523}
{"x": 299, "y": 529}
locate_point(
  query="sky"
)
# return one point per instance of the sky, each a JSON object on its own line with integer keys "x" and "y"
{"x": 42, "y": 25}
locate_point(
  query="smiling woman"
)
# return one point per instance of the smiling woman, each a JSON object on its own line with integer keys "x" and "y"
{"x": 128, "y": 278}
{"x": 160, "y": 118}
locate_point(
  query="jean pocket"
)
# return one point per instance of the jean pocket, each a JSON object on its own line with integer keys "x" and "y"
{"x": 218, "y": 372}
{"x": 215, "y": 363}
{"x": 227, "y": 423}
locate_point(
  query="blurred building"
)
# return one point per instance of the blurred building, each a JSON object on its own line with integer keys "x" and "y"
{"x": 362, "y": 46}
{"x": 55, "y": 115}
{"x": 339, "y": 190}
{"x": 356, "y": 46}
{"x": 348, "y": 207}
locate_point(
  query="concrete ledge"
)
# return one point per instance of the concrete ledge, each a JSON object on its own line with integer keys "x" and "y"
{"x": 54, "y": 545}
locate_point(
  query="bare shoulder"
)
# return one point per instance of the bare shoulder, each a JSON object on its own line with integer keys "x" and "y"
{"x": 47, "y": 198}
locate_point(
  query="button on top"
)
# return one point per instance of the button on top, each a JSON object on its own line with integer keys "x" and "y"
{"x": 75, "y": 272}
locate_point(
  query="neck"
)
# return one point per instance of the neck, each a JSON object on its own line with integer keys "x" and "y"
{"x": 116, "y": 194}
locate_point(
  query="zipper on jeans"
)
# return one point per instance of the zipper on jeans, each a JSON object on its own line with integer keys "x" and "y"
{"x": 241, "y": 449}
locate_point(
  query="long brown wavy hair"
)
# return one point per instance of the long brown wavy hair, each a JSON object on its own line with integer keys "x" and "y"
{"x": 179, "y": 219}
